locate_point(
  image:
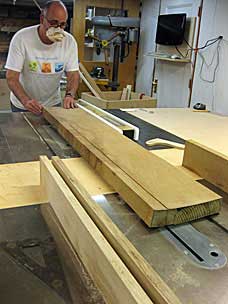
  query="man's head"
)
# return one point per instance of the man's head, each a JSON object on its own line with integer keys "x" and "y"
{"x": 53, "y": 19}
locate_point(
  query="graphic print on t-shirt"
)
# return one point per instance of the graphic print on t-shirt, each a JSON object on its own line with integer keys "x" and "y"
{"x": 59, "y": 67}
{"x": 46, "y": 67}
{"x": 33, "y": 66}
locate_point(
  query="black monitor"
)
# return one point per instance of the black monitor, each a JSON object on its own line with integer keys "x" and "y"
{"x": 170, "y": 29}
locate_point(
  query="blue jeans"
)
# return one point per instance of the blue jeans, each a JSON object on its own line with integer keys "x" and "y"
{"x": 16, "y": 109}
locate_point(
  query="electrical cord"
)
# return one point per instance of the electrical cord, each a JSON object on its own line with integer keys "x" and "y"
{"x": 207, "y": 44}
{"x": 210, "y": 64}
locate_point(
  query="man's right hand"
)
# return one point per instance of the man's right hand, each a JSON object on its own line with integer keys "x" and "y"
{"x": 33, "y": 106}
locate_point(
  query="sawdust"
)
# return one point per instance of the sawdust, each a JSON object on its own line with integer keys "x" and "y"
{"x": 181, "y": 278}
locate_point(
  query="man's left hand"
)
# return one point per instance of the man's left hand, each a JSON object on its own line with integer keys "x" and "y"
{"x": 69, "y": 102}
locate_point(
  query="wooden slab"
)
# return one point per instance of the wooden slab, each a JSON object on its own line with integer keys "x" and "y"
{"x": 206, "y": 162}
{"x": 109, "y": 273}
{"x": 106, "y": 103}
{"x": 19, "y": 185}
{"x": 158, "y": 192}
{"x": 20, "y": 182}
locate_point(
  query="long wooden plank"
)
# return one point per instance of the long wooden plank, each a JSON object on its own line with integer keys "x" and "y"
{"x": 88, "y": 85}
{"x": 151, "y": 282}
{"x": 158, "y": 192}
{"x": 91, "y": 81}
{"x": 130, "y": 191}
{"x": 208, "y": 163}
{"x": 109, "y": 273}
{"x": 81, "y": 286}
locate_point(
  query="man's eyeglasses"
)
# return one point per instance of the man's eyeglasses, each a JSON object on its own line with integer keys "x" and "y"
{"x": 56, "y": 23}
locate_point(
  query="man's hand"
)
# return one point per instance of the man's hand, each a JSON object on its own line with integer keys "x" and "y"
{"x": 69, "y": 102}
{"x": 33, "y": 106}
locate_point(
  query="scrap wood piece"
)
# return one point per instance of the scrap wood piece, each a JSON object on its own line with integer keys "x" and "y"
{"x": 91, "y": 81}
{"x": 109, "y": 273}
{"x": 19, "y": 185}
{"x": 164, "y": 142}
{"x": 208, "y": 163}
{"x": 89, "y": 85}
{"x": 172, "y": 155}
{"x": 158, "y": 192}
{"x": 148, "y": 278}
{"x": 20, "y": 182}
{"x": 124, "y": 94}
{"x": 175, "y": 158}
{"x": 128, "y": 95}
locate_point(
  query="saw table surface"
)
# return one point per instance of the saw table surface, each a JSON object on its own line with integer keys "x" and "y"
{"x": 192, "y": 283}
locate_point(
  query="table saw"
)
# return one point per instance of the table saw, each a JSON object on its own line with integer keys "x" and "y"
{"x": 190, "y": 258}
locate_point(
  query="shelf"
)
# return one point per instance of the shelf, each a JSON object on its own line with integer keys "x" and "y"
{"x": 167, "y": 57}
{"x": 172, "y": 59}
{"x": 165, "y": 52}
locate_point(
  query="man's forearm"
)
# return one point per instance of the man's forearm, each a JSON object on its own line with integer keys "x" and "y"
{"x": 72, "y": 82}
{"x": 18, "y": 90}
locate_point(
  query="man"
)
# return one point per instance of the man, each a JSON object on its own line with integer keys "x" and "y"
{"x": 38, "y": 57}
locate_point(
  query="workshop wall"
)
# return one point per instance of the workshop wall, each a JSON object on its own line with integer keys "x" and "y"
{"x": 214, "y": 23}
{"x": 145, "y": 64}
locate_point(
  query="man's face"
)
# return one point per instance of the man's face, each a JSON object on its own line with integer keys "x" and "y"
{"x": 55, "y": 16}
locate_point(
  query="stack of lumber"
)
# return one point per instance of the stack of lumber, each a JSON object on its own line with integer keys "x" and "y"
{"x": 158, "y": 192}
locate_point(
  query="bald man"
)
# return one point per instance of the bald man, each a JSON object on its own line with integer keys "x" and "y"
{"x": 38, "y": 57}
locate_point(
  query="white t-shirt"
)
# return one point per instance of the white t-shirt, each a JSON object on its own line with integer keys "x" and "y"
{"x": 41, "y": 66}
